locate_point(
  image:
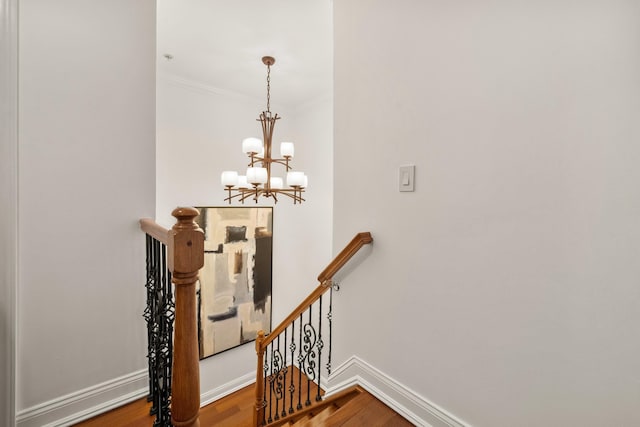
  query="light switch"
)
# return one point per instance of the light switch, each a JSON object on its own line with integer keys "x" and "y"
{"x": 406, "y": 178}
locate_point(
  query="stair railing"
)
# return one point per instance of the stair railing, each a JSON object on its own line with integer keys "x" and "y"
{"x": 173, "y": 256}
{"x": 290, "y": 358}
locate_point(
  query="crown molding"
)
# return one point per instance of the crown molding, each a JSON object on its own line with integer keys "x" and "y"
{"x": 205, "y": 89}
{"x": 202, "y": 88}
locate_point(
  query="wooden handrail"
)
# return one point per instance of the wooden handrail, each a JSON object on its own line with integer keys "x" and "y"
{"x": 301, "y": 308}
{"x": 155, "y": 230}
{"x": 345, "y": 255}
{"x": 325, "y": 279}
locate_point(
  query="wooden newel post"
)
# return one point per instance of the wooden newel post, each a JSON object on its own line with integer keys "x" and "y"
{"x": 186, "y": 257}
{"x": 258, "y": 414}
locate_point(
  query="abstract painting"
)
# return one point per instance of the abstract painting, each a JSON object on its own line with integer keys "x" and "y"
{"x": 234, "y": 296}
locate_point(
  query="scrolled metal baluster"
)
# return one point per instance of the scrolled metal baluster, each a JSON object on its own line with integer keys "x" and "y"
{"x": 330, "y": 319}
{"x": 309, "y": 359}
{"x": 147, "y": 311}
{"x": 278, "y": 390}
{"x": 319, "y": 346}
{"x": 285, "y": 368}
{"x": 300, "y": 366}
{"x": 155, "y": 339}
{"x": 271, "y": 384}
{"x": 167, "y": 317}
{"x": 164, "y": 310}
{"x": 292, "y": 347}
{"x": 264, "y": 394}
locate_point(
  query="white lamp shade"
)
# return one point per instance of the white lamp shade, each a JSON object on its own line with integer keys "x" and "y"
{"x": 257, "y": 175}
{"x": 295, "y": 179}
{"x": 262, "y": 175}
{"x": 229, "y": 178}
{"x": 286, "y": 149}
{"x": 276, "y": 183}
{"x": 242, "y": 181}
{"x": 251, "y": 145}
{"x": 305, "y": 182}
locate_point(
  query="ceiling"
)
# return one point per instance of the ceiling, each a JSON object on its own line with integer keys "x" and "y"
{"x": 220, "y": 44}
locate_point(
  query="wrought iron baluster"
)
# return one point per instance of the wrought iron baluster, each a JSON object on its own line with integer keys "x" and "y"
{"x": 300, "y": 367}
{"x": 264, "y": 394}
{"x": 330, "y": 319}
{"x": 292, "y": 347}
{"x": 161, "y": 348}
{"x": 271, "y": 384}
{"x": 147, "y": 312}
{"x": 285, "y": 368}
{"x": 309, "y": 362}
{"x": 155, "y": 374}
{"x": 167, "y": 311}
{"x": 277, "y": 379}
{"x": 319, "y": 346}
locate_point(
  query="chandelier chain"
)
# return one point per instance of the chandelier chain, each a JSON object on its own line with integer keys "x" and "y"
{"x": 268, "y": 88}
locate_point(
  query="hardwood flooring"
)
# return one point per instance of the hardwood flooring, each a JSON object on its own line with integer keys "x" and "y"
{"x": 232, "y": 410}
{"x": 236, "y": 410}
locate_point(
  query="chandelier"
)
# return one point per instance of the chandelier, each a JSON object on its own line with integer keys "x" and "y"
{"x": 258, "y": 180}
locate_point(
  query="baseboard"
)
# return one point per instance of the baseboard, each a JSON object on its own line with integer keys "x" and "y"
{"x": 227, "y": 388}
{"x": 84, "y": 404}
{"x": 401, "y": 399}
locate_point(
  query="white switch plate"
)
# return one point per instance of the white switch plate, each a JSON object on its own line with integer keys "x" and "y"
{"x": 406, "y": 178}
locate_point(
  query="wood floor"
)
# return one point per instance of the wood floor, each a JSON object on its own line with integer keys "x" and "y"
{"x": 236, "y": 410}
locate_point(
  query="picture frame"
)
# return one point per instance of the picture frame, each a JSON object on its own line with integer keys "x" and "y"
{"x": 235, "y": 284}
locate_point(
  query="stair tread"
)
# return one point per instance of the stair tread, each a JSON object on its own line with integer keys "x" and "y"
{"x": 302, "y": 421}
{"x": 365, "y": 410}
{"x": 321, "y": 417}
{"x": 349, "y": 409}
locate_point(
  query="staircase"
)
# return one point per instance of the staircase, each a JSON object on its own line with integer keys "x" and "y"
{"x": 352, "y": 407}
{"x": 290, "y": 357}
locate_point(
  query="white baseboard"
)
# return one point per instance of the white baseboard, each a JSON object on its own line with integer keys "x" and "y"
{"x": 84, "y": 404}
{"x": 226, "y": 389}
{"x": 401, "y": 399}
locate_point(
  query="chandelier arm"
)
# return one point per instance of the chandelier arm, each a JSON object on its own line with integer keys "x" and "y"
{"x": 239, "y": 194}
{"x": 295, "y": 195}
{"x": 282, "y": 162}
{"x": 256, "y": 159}
{"x": 245, "y": 195}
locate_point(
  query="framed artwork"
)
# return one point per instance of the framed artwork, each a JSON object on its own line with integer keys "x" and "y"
{"x": 234, "y": 295}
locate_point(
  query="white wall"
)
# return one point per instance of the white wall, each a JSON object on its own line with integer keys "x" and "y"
{"x": 505, "y": 288}
{"x": 86, "y": 175}
{"x": 199, "y": 134}
{"x": 8, "y": 204}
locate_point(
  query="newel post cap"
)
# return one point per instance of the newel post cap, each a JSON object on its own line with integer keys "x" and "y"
{"x": 186, "y": 242}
